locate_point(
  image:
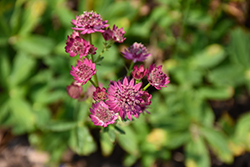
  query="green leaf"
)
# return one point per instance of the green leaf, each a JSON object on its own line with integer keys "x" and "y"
{"x": 111, "y": 134}
{"x": 83, "y": 112}
{"x": 197, "y": 153}
{"x": 21, "y": 116}
{"x": 35, "y": 45}
{"x": 64, "y": 15}
{"x": 81, "y": 141}
{"x": 141, "y": 128}
{"x": 242, "y": 127}
{"x": 4, "y": 68}
{"x": 120, "y": 130}
{"x": 148, "y": 160}
{"x": 58, "y": 126}
{"x": 42, "y": 115}
{"x": 4, "y": 108}
{"x": 176, "y": 139}
{"x": 106, "y": 145}
{"x": 211, "y": 56}
{"x": 32, "y": 13}
{"x": 216, "y": 93}
{"x": 44, "y": 95}
{"x": 219, "y": 144}
{"x": 238, "y": 48}
{"x": 22, "y": 68}
{"x": 227, "y": 75}
{"x": 129, "y": 141}
{"x": 129, "y": 160}
{"x": 207, "y": 116}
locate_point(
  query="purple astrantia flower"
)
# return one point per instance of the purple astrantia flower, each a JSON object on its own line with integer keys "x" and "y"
{"x": 139, "y": 72}
{"x": 125, "y": 98}
{"x": 156, "y": 77}
{"x": 77, "y": 45}
{"x": 83, "y": 71}
{"x": 99, "y": 94}
{"x": 74, "y": 90}
{"x": 89, "y": 22}
{"x": 102, "y": 115}
{"x": 136, "y": 52}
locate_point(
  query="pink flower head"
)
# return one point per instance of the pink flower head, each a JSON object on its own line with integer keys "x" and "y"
{"x": 139, "y": 72}
{"x": 146, "y": 97}
{"x": 92, "y": 50}
{"x": 92, "y": 89}
{"x": 156, "y": 77}
{"x": 83, "y": 71}
{"x": 89, "y": 22}
{"x": 118, "y": 34}
{"x": 74, "y": 34}
{"x": 102, "y": 115}
{"x": 136, "y": 52}
{"x": 77, "y": 45}
{"x": 115, "y": 34}
{"x": 107, "y": 34}
{"x": 99, "y": 94}
{"x": 74, "y": 90}
{"x": 125, "y": 98}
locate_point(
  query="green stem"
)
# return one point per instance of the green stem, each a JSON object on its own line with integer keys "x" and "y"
{"x": 106, "y": 46}
{"x": 96, "y": 79}
{"x": 92, "y": 58}
{"x": 145, "y": 88}
{"x": 90, "y": 41}
{"x": 93, "y": 83}
{"x": 130, "y": 68}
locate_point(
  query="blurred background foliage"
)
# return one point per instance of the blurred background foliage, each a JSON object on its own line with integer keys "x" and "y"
{"x": 201, "y": 119}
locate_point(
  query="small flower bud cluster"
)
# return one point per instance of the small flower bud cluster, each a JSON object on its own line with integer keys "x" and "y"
{"x": 125, "y": 98}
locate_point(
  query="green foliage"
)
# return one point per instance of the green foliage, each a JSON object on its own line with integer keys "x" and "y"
{"x": 206, "y": 54}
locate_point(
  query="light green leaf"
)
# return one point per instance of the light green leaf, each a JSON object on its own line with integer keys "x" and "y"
{"x": 58, "y": 126}
{"x": 22, "y": 68}
{"x": 32, "y": 13}
{"x": 4, "y": 68}
{"x": 242, "y": 128}
{"x": 196, "y": 153}
{"x": 128, "y": 141}
{"x": 176, "y": 139}
{"x": 229, "y": 75}
{"x": 129, "y": 160}
{"x": 216, "y": 93}
{"x": 106, "y": 145}
{"x": 219, "y": 144}
{"x": 83, "y": 111}
{"x": 21, "y": 116}
{"x": 35, "y": 45}
{"x": 64, "y": 15}
{"x": 238, "y": 48}
{"x": 81, "y": 141}
{"x": 211, "y": 56}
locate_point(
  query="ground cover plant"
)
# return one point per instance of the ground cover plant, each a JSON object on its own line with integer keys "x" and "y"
{"x": 84, "y": 76}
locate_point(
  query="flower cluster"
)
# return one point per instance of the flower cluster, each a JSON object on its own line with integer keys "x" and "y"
{"x": 125, "y": 98}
